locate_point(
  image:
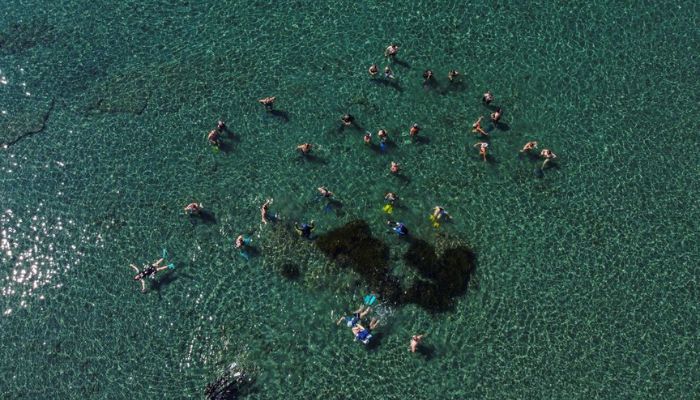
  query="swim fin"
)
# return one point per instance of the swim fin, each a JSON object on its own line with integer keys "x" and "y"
{"x": 388, "y": 208}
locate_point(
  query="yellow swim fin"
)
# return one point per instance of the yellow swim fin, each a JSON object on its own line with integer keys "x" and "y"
{"x": 388, "y": 208}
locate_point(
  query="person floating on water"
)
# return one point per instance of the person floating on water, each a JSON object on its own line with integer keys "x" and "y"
{"x": 149, "y": 272}
{"x": 389, "y": 198}
{"x": 427, "y": 76}
{"x": 356, "y": 317}
{"x": 439, "y": 214}
{"x": 476, "y": 127}
{"x": 268, "y": 102}
{"x": 214, "y": 137}
{"x": 483, "y": 146}
{"x": 391, "y": 51}
{"x": 367, "y": 138}
{"x": 347, "y": 119}
{"x": 221, "y": 126}
{"x": 496, "y": 115}
{"x": 193, "y": 208}
{"x": 548, "y": 155}
{"x": 529, "y": 146}
{"x": 324, "y": 192}
{"x": 363, "y": 334}
{"x": 373, "y": 70}
{"x": 265, "y": 211}
{"x": 452, "y": 75}
{"x": 395, "y": 168}
{"x": 305, "y": 229}
{"x": 242, "y": 241}
{"x": 416, "y": 341}
{"x": 305, "y": 148}
{"x": 487, "y": 98}
{"x": 388, "y": 73}
{"x": 398, "y": 227}
{"x": 413, "y": 132}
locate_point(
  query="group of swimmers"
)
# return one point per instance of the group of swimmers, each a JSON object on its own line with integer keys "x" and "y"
{"x": 362, "y": 331}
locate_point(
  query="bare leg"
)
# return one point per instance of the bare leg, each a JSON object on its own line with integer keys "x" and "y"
{"x": 545, "y": 163}
{"x": 143, "y": 286}
{"x": 365, "y": 312}
{"x": 135, "y": 268}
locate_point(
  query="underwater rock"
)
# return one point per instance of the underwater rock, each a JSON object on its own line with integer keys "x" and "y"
{"x": 232, "y": 384}
{"x": 290, "y": 271}
{"x": 25, "y": 116}
{"x": 21, "y": 36}
{"x": 442, "y": 279}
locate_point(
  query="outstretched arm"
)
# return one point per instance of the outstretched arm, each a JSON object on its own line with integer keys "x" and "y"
{"x": 135, "y": 268}
{"x": 143, "y": 285}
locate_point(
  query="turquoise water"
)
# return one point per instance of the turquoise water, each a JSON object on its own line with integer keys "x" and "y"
{"x": 586, "y": 283}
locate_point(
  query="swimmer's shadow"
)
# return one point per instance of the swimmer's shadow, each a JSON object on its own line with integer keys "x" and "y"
{"x": 310, "y": 158}
{"x": 402, "y": 178}
{"x": 389, "y": 82}
{"x": 279, "y": 115}
{"x": 428, "y": 352}
{"x": 456, "y": 87}
{"x": 354, "y": 125}
{"x": 205, "y": 217}
{"x": 502, "y": 126}
{"x": 401, "y": 63}
{"x": 162, "y": 283}
{"x": 375, "y": 342}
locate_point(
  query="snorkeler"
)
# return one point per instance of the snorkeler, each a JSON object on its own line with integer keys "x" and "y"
{"x": 416, "y": 341}
{"x": 214, "y": 137}
{"x": 265, "y": 210}
{"x": 413, "y": 132}
{"x": 268, "y": 102}
{"x": 193, "y": 208}
{"x": 483, "y": 146}
{"x": 427, "y": 76}
{"x": 373, "y": 70}
{"x": 391, "y": 51}
{"x": 487, "y": 98}
{"x": 452, "y": 75}
{"x": 149, "y": 272}
{"x": 356, "y": 317}
{"x": 476, "y": 127}
{"x": 440, "y": 213}
{"x": 398, "y": 227}
{"x": 242, "y": 241}
{"x": 363, "y": 334}
{"x": 388, "y": 73}
{"x": 496, "y": 115}
{"x": 547, "y": 155}
{"x": 305, "y": 229}
{"x": 305, "y": 148}
{"x": 529, "y": 146}
{"x": 347, "y": 119}
{"x": 324, "y": 192}
{"x": 394, "y": 168}
{"x": 390, "y": 197}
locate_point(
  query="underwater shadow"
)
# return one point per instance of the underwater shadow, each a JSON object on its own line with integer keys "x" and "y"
{"x": 502, "y": 126}
{"x": 389, "y": 82}
{"x": 402, "y": 63}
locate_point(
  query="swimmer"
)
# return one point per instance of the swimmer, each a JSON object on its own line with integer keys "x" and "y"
{"x": 305, "y": 229}
{"x": 482, "y": 149}
{"x": 487, "y": 98}
{"x": 367, "y": 138}
{"x": 149, "y": 272}
{"x": 547, "y": 155}
{"x": 221, "y": 126}
{"x": 452, "y": 75}
{"x": 356, "y": 317}
{"x": 363, "y": 334}
{"x": 439, "y": 213}
{"x": 529, "y": 146}
{"x": 390, "y": 197}
{"x": 268, "y": 102}
{"x": 264, "y": 211}
{"x": 347, "y": 119}
{"x": 382, "y": 135}
{"x": 214, "y": 137}
{"x": 416, "y": 341}
{"x": 305, "y": 148}
{"x": 391, "y": 51}
{"x": 476, "y": 127}
{"x": 395, "y": 168}
{"x": 193, "y": 208}
{"x": 496, "y": 115}
{"x": 427, "y": 76}
{"x": 324, "y": 192}
{"x": 388, "y": 73}
{"x": 414, "y": 131}
{"x": 242, "y": 241}
{"x": 373, "y": 70}
{"x": 399, "y": 228}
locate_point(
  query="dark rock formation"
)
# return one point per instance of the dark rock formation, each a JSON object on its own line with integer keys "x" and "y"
{"x": 231, "y": 385}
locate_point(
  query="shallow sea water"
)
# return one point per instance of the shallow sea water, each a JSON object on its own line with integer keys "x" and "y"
{"x": 586, "y": 283}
